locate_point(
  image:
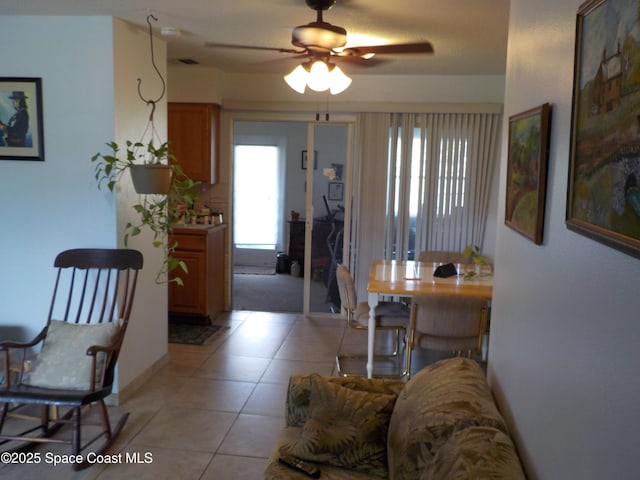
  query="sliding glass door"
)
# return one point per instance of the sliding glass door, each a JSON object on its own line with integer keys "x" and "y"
{"x": 291, "y": 198}
{"x": 327, "y": 204}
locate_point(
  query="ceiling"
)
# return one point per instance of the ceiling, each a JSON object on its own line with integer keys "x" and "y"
{"x": 469, "y": 36}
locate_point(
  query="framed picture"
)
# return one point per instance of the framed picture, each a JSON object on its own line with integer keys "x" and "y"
{"x": 337, "y": 170}
{"x": 603, "y": 200}
{"x": 21, "y": 135}
{"x": 527, "y": 171}
{"x": 304, "y": 159}
{"x": 336, "y": 191}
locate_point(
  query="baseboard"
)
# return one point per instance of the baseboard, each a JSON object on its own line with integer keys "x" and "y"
{"x": 129, "y": 390}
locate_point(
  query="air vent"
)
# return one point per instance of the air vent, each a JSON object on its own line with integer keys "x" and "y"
{"x": 188, "y": 61}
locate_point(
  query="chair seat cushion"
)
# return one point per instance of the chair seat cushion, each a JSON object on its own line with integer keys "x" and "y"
{"x": 387, "y": 314}
{"x": 346, "y": 428}
{"x": 63, "y": 362}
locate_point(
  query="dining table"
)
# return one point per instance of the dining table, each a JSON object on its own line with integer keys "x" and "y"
{"x": 409, "y": 278}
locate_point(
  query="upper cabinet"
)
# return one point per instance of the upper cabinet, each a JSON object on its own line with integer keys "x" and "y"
{"x": 193, "y": 131}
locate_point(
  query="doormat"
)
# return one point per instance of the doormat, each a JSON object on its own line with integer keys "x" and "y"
{"x": 194, "y": 334}
{"x": 244, "y": 269}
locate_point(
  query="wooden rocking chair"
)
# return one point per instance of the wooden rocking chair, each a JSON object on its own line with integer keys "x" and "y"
{"x": 87, "y": 321}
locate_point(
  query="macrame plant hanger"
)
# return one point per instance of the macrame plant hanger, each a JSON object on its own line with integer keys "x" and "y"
{"x": 150, "y": 124}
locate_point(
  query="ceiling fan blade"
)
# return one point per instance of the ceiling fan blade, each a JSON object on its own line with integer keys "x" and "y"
{"x": 420, "y": 47}
{"x": 358, "y": 61}
{"x": 254, "y": 47}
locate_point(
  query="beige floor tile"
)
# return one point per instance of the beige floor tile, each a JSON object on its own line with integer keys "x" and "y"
{"x": 245, "y": 346}
{"x": 279, "y": 371}
{"x": 252, "y": 436}
{"x": 267, "y": 399}
{"x": 273, "y": 317}
{"x": 313, "y": 349}
{"x": 224, "y": 366}
{"x": 235, "y": 468}
{"x": 193, "y": 357}
{"x": 207, "y": 394}
{"x": 157, "y": 464}
{"x": 155, "y": 393}
{"x": 185, "y": 428}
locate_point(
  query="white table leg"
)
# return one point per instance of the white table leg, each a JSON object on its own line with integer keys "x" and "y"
{"x": 373, "y": 303}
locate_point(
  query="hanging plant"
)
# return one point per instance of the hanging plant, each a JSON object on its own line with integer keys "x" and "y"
{"x": 153, "y": 175}
{"x": 160, "y": 207}
{"x": 157, "y": 212}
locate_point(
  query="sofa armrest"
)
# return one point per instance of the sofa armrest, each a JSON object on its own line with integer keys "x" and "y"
{"x": 297, "y": 404}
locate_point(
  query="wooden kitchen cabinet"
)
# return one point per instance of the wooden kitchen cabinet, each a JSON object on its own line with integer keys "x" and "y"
{"x": 193, "y": 131}
{"x": 201, "y": 247}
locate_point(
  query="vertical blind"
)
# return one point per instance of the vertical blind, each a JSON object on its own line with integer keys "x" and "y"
{"x": 424, "y": 184}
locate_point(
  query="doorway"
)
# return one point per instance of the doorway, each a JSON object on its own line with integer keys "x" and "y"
{"x": 310, "y": 189}
{"x": 257, "y": 200}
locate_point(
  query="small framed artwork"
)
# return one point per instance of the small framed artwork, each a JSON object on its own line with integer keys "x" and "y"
{"x": 336, "y": 191}
{"x": 304, "y": 159}
{"x": 527, "y": 171}
{"x": 603, "y": 200}
{"x": 337, "y": 170}
{"x": 21, "y": 135}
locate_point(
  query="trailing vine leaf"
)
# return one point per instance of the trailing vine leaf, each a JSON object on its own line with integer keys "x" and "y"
{"x": 157, "y": 213}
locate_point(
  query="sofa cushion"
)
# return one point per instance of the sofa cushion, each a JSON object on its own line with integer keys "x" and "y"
{"x": 478, "y": 453}
{"x": 277, "y": 471}
{"x": 441, "y": 399}
{"x": 299, "y": 392}
{"x": 346, "y": 428}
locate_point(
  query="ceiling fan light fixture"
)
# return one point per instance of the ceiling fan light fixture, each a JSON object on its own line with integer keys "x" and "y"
{"x": 319, "y": 79}
{"x": 339, "y": 81}
{"x": 297, "y": 79}
{"x": 319, "y": 76}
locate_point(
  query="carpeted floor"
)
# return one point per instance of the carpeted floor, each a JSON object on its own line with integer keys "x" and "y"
{"x": 267, "y": 293}
{"x": 249, "y": 270}
{"x": 194, "y": 334}
{"x": 275, "y": 293}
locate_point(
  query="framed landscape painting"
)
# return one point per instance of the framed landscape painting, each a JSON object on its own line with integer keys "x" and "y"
{"x": 21, "y": 136}
{"x": 527, "y": 171}
{"x": 604, "y": 177}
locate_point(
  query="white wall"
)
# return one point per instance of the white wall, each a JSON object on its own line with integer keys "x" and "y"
{"x": 146, "y": 340}
{"x": 565, "y": 329}
{"x": 199, "y": 84}
{"x": 369, "y": 88}
{"x": 49, "y": 206}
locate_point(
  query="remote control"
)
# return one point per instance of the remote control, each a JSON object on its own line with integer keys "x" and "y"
{"x": 300, "y": 465}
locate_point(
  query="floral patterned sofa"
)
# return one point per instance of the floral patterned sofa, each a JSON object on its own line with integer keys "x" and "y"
{"x": 441, "y": 424}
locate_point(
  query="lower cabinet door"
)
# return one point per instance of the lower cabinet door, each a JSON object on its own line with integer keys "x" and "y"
{"x": 191, "y": 297}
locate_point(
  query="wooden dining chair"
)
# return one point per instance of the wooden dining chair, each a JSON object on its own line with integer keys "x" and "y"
{"x": 78, "y": 350}
{"x": 447, "y": 322}
{"x": 390, "y": 316}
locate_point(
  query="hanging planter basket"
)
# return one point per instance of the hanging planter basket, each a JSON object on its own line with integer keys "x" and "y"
{"x": 151, "y": 179}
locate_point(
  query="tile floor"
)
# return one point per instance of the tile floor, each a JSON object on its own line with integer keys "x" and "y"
{"x": 215, "y": 411}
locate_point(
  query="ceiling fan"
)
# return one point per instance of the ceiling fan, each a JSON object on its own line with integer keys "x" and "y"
{"x": 321, "y": 40}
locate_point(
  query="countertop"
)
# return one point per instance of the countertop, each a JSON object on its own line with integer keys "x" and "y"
{"x": 189, "y": 228}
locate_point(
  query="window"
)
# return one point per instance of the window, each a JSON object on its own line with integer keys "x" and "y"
{"x": 256, "y": 190}
{"x": 430, "y": 186}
